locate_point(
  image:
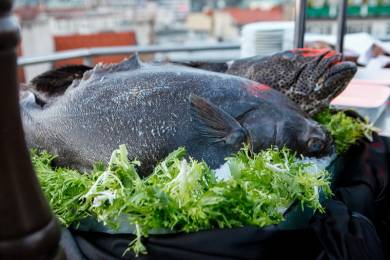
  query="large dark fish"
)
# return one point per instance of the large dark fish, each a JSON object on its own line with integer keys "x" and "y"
{"x": 311, "y": 78}
{"x": 154, "y": 109}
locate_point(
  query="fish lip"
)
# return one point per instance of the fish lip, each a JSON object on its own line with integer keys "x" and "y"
{"x": 329, "y": 148}
{"x": 346, "y": 71}
{"x": 332, "y": 149}
{"x": 335, "y": 59}
{"x": 321, "y": 133}
{"x": 351, "y": 68}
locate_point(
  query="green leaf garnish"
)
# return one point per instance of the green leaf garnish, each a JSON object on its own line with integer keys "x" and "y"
{"x": 345, "y": 130}
{"x": 182, "y": 194}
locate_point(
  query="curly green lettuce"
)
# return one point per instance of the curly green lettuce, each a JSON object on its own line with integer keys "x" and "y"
{"x": 182, "y": 194}
{"x": 345, "y": 130}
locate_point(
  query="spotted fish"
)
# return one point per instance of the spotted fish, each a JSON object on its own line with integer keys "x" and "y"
{"x": 311, "y": 78}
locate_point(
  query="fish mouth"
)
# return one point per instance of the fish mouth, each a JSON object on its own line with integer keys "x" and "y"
{"x": 317, "y": 141}
{"x": 333, "y": 74}
{"x": 339, "y": 75}
{"x": 329, "y": 149}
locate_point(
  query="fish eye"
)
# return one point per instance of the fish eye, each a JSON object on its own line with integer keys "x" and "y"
{"x": 315, "y": 145}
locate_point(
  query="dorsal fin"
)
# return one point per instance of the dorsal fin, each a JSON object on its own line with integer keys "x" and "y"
{"x": 131, "y": 63}
{"x": 216, "y": 125}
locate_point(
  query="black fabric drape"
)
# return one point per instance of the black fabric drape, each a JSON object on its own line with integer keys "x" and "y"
{"x": 363, "y": 184}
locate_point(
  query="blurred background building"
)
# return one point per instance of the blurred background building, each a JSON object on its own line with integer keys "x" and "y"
{"x": 48, "y": 26}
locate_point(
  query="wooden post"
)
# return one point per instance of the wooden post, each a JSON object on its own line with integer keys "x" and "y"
{"x": 28, "y": 230}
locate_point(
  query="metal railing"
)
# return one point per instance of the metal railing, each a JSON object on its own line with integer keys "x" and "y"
{"x": 300, "y": 21}
{"x": 88, "y": 53}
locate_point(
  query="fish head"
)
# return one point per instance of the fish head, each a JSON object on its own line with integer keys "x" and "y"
{"x": 263, "y": 122}
{"x": 321, "y": 70}
{"x": 268, "y": 126}
{"x": 307, "y": 136}
{"x": 310, "y": 77}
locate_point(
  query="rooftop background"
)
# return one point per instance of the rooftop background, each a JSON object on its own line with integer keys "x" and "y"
{"x": 49, "y": 26}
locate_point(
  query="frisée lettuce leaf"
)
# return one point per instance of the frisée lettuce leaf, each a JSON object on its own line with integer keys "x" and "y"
{"x": 182, "y": 194}
{"x": 345, "y": 130}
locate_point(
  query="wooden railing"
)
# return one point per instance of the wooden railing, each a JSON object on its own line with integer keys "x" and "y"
{"x": 28, "y": 230}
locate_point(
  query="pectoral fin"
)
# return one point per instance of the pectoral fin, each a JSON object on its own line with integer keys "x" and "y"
{"x": 215, "y": 124}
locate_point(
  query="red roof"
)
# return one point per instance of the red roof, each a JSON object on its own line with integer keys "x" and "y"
{"x": 107, "y": 39}
{"x": 245, "y": 16}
